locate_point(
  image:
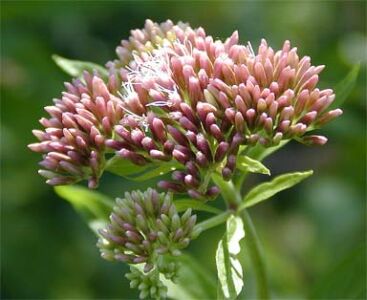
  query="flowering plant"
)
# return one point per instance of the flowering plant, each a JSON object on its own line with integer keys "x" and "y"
{"x": 204, "y": 112}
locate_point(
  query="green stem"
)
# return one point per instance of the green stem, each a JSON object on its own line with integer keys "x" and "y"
{"x": 214, "y": 221}
{"x": 233, "y": 198}
{"x": 254, "y": 249}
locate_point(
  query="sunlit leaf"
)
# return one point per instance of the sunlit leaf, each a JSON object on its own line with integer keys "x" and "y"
{"x": 183, "y": 204}
{"x": 247, "y": 164}
{"x": 229, "y": 268}
{"x": 93, "y": 206}
{"x": 345, "y": 87}
{"x": 194, "y": 281}
{"x": 75, "y": 68}
{"x": 268, "y": 189}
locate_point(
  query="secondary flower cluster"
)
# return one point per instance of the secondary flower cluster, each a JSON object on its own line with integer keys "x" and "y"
{"x": 149, "y": 285}
{"x": 185, "y": 97}
{"x": 144, "y": 226}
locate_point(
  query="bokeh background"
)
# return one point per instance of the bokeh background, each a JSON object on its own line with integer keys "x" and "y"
{"x": 314, "y": 234}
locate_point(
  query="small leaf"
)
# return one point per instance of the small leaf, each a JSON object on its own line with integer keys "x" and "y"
{"x": 75, "y": 68}
{"x": 268, "y": 189}
{"x": 184, "y": 204}
{"x": 247, "y": 164}
{"x": 194, "y": 282}
{"x": 229, "y": 268}
{"x": 159, "y": 169}
{"x": 259, "y": 152}
{"x": 123, "y": 167}
{"x": 93, "y": 206}
{"x": 345, "y": 87}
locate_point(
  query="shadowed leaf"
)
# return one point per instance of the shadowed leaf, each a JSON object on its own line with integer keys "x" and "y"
{"x": 345, "y": 87}
{"x": 75, "y": 68}
{"x": 94, "y": 207}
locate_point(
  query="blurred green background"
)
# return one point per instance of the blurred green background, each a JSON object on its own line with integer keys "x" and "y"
{"x": 314, "y": 234}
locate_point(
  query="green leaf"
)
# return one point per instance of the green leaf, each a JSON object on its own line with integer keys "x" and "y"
{"x": 158, "y": 169}
{"x": 123, "y": 167}
{"x": 229, "y": 268}
{"x": 194, "y": 281}
{"x": 247, "y": 164}
{"x": 94, "y": 207}
{"x": 268, "y": 189}
{"x": 75, "y": 68}
{"x": 345, "y": 87}
{"x": 131, "y": 171}
{"x": 259, "y": 152}
{"x": 184, "y": 204}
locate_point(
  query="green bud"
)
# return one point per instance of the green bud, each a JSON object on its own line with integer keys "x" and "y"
{"x": 186, "y": 216}
{"x": 166, "y": 220}
{"x": 141, "y": 223}
{"x": 175, "y": 222}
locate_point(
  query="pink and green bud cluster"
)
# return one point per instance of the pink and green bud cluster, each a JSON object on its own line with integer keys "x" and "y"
{"x": 197, "y": 100}
{"x": 144, "y": 226}
{"x": 73, "y": 141}
{"x": 177, "y": 94}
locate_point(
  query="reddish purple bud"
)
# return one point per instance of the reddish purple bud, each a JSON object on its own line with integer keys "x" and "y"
{"x": 203, "y": 146}
{"x": 134, "y": 157}
{"x": 250, "y": 116}
{"x": 177, "y": 135}
{"x": 156, "y": 154}
{"x": 327, "y": 117}
{"x": 158, "y": 129}
{"x": 309, "y": 117}
{"x": 239, "y": 122}
{"x": 213, "y": 192}
{"x": 203, "y": 109}
{"x": 188, "y": 125}
{"x": 170, "y": 186}
{"x": 180, "y": 156}
{"x": 318, "y": 140}
{"x": 168, "y": 147}
{"x": 178, "y": 176}
{"x": 221, "y": 151}
{"x": 216, "y": 132}
{"x": 148, "y": 143}
{"x": 191, "y": 181}
{"x": 195, "y": 194}
{"x": 227, "y": 173}
{"x": 201, "y": 159}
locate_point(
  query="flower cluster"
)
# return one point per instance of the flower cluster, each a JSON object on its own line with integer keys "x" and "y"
{"x": 73, "y": 142}
{"x": 196, "y": 100}
{"x": 145, "y": 226}
{"x": 149, "y": 285}
{"x": 177, "y": 94}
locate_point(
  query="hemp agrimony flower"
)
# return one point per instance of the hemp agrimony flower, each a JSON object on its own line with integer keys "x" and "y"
{"x": 202, "y": 99}
{"x": 179, "y": 101}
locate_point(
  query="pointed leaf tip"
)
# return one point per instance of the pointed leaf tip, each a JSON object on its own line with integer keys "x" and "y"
{"x": 344, "y": 88}
{"x": 268, "y": 189}
{"x": 75, "y": 68}
{"x": 248, "y": 164}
